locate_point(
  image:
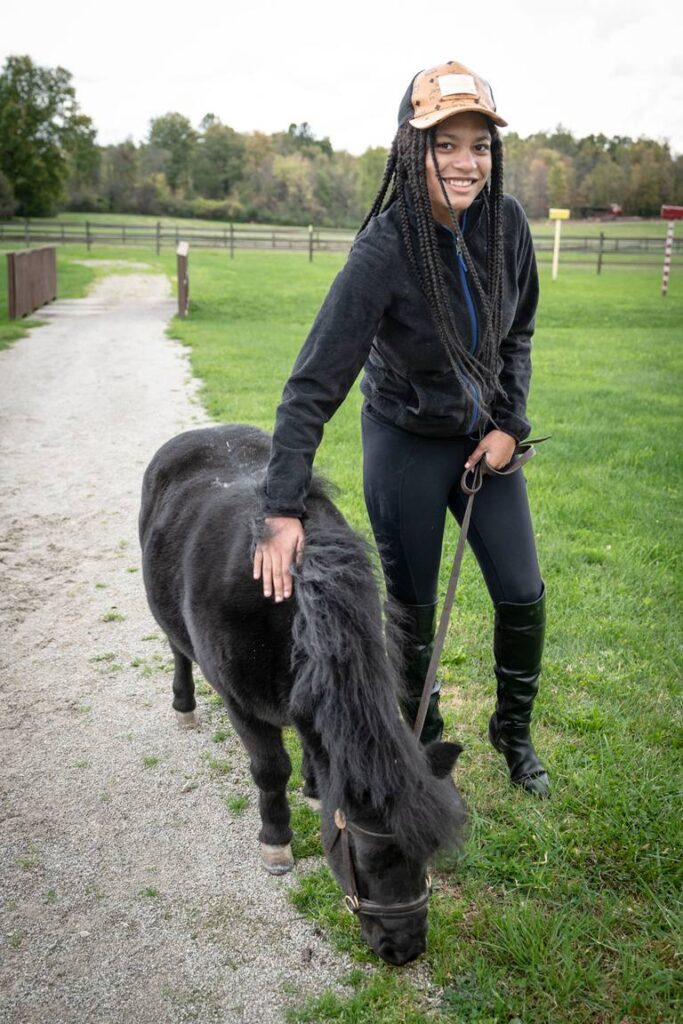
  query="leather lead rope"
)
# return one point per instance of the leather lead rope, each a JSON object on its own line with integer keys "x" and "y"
{"x": 523, "y": 452}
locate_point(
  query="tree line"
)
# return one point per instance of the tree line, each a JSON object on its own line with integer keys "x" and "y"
{"x": 50, "y": 161}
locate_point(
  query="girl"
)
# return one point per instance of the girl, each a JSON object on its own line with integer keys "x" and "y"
{"x": 437, "y": 303}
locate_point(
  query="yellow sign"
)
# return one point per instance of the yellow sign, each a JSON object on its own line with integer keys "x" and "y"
{"x": 555, "y": 214}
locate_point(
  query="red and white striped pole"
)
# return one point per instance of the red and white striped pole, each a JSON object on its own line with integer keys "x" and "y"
{"x": 672, "y": 214}
{"x": 668, "y": 248}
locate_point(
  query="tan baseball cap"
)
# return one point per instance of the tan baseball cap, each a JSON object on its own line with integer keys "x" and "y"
{"x": 440, "y": 92}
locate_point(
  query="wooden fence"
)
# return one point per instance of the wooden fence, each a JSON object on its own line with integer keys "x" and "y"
{"x": 597, "y": 250}
{"x": 229, "y": 236}
{"x": 182, "y": 253}
{"x": 31, "y": 280}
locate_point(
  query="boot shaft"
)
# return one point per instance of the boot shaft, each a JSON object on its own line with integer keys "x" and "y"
{"x": 417, "y": 627}
{"x": 518, "y": 638}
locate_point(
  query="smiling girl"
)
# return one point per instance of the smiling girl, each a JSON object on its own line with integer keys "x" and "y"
{"x": 436, "y": 303}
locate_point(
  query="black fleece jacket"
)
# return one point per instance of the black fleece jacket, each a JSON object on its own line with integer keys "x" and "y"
{"x": 375, "y": 316}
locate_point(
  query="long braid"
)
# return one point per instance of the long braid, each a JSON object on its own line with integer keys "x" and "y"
{"x": 389, "y": 170}
{"x": 495, "y": 237}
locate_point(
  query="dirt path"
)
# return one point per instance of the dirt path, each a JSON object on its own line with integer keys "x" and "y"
{"x": 130, "y": 891}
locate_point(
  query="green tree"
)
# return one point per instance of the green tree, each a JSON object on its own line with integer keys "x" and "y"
{"x": 174, "y": 134}
{"x": 651, "y": 179}
{"x": 371, "y": 166}
{"x": 219, "y": 159}
{"x": 119, "y": 175}
{"x": 336, "y": 190}
{"x": 559, "y": 180}
{"x": 8, "y": 203}
{"x": 40, "y": 126}
{"x": 678, "y": 181}
{"x": 605, "y": 184}
{"x": 84, "y": 166}
{"x": 299, "y": 138}
{"x": 257, "y": 190}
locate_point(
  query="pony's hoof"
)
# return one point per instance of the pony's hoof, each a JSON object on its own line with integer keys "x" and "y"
{"x": 187, "y": 719}
{"x": 278, "y": 860}
{"x": 314, "y": 803}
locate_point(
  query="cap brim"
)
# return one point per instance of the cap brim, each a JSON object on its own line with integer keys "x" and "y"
{"x": 437, "y": 116}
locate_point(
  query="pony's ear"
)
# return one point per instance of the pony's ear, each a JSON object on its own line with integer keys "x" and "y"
{"x": 442, "y": 757}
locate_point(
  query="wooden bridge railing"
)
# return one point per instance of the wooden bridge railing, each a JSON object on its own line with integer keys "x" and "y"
{"x": 31, "y": 279}
{"x": 182, "y": 253}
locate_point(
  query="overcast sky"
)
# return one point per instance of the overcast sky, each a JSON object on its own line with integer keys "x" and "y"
{"x": 612, "y": 66}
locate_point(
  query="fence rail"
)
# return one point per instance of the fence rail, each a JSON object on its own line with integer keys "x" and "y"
{"x": 634, "y": 250}
{"x": 31, "y": 280}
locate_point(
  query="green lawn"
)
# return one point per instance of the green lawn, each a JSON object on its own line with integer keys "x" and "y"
{"x": 564, "y": 911}
{"x": 567, "y": 910}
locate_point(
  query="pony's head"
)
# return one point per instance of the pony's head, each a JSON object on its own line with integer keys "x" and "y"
{"x": 380, "y": 859}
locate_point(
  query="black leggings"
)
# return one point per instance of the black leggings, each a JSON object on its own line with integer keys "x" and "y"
{"x": 410, "y": 481}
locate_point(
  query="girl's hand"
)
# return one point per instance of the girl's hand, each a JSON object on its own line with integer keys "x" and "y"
{"x": 276, "y": 553}
{"x": 497, "y": 446}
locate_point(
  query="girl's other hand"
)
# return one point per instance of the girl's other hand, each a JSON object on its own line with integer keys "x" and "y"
{"x": 497, "y": 446}
{"x": 276, "y": 553}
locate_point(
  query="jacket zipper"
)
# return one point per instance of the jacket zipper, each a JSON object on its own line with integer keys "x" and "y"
{"x": 474, "y": 323}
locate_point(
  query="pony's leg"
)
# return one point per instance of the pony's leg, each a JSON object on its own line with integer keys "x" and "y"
{"x": 183, "y": 690}
{"x": 311, "y": 792}
{"x": 270, "y": 769}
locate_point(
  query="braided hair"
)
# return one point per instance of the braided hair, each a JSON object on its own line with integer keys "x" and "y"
{"x": 405, "y": 176}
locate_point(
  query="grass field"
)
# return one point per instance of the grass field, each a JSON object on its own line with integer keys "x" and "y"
{"x": 567, "y": 910}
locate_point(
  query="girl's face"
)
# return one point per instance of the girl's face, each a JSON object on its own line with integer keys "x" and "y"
{"x": 463, "y": 152}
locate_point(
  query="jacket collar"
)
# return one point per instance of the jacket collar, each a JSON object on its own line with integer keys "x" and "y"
{"x": 444, "y": 234}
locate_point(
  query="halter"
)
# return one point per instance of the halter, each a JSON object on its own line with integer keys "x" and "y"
{"x": 355, "y": 904}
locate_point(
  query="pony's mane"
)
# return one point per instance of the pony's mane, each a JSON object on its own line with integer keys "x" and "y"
{"x": 346, "y": 684}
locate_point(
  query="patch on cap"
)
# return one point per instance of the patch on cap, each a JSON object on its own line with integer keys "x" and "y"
{"x": 455, "y": 85}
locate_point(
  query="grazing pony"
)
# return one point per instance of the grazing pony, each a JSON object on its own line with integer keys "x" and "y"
{"x": 318, "y": 661}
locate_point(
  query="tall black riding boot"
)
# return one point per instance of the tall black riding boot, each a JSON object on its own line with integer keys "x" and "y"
{"x": 417, "y": 644}
{"x": 517, "y": 646}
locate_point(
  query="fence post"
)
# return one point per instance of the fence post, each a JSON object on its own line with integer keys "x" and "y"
{"x": 158, "y": 237}
{"x": 310, "y": 243}
{"x": 232, "y": 241}
{"x": 183, "y": 279}
{"x": 88, "y": 241}
{"x": 11, "y": 286}
{"x": 27, "y": 239}
{"x": 123, "y": 233}
{"x": 600, "y": 251}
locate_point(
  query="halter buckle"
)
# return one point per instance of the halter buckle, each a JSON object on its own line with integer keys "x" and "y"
{"x": 352, "y": 904}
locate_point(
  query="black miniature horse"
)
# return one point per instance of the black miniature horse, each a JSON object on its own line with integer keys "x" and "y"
{"x": 318, "y": 660}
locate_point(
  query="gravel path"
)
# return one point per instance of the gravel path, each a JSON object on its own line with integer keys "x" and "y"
{"x": 130, "y": 891}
